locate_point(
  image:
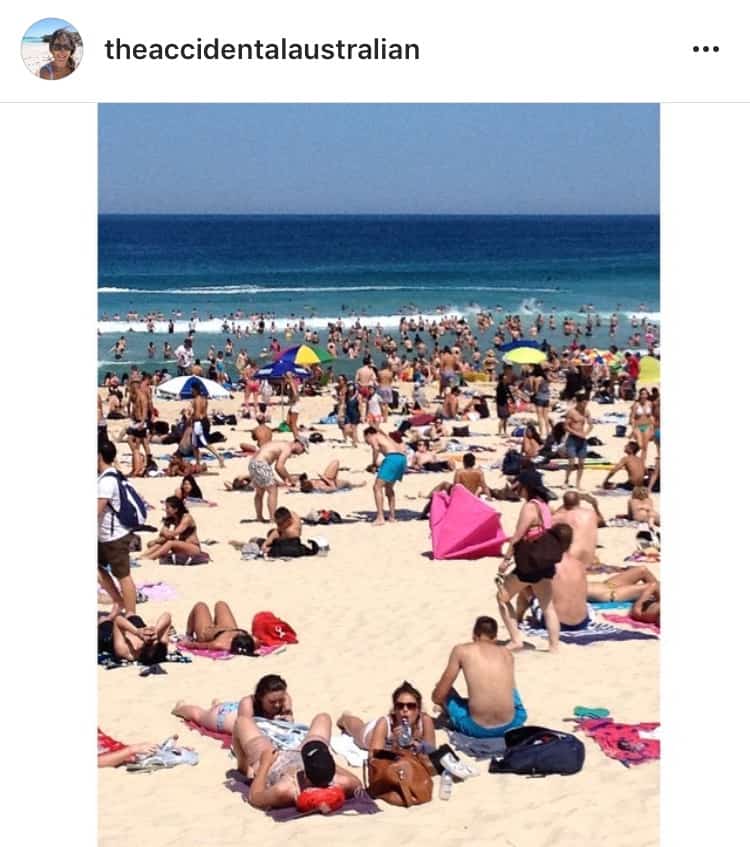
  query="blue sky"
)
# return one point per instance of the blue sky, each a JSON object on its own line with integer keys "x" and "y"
{"x": 46, "y": 27}
{"x": 382, "y": 158}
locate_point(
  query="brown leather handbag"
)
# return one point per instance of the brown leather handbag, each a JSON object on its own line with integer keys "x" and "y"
{"x": 400, "y": 778}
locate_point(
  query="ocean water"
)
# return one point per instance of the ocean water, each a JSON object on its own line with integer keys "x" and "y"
{"x": 372, "y": 268}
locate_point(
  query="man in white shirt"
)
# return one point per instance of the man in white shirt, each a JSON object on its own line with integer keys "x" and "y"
{"x": 114, "y": 538}
{"x": 185, "y": 356}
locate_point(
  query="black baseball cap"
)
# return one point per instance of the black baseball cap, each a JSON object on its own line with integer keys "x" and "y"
{"x": 318, "y": 763}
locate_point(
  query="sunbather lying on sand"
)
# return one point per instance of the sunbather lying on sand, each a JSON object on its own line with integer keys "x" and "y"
{"x": 219, "y": 632}
{"x": 270, "y": 700}
{"x": 628, "y": 585}
{"x": 279, "y": 777}
{"x": 329, "y": 480}
{"x": 647, "y": 607}
{"x": 129, "y": 638}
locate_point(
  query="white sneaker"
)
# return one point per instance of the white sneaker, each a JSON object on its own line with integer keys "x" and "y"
{"x": 457, "y": 768}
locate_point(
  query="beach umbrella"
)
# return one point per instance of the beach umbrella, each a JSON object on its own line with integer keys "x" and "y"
{"x": 181, "y": 388}
{"x": 525, "y": 356}
{"x": 280, "y": 368}
{"x": 306, "y": 354}
{"x": 650, "y": 370}
{"x": 521, "y": 342}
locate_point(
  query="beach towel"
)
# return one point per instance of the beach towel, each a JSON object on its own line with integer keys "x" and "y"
{"x": 626, "y": 619}
{"x": 643, "y": 556}
{"x": 463, "y": 527}
{"x": 596, "y": 631}
{"x": 629, "y": 744}
{"x": 345, "y": 746}
{"x": 199, "y": 501}
{"x": 611, "y": 604}
{"x": 223, "y": 737}
{"x": 109, "y": 661}
{"x": 195, "y": 650}
{"x": 360, "y": 804}
{"x": 157, "y": 590}
{"x": 478, "y": 748}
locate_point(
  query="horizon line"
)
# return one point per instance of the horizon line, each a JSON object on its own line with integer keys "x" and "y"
{"x": 395, "y": 214}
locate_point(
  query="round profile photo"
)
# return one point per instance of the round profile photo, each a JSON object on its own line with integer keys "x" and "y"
{"x": 52, "y": 48}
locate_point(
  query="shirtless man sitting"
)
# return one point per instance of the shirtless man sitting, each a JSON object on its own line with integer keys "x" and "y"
{"x": 261, "y": 435}
{"x": 390, "y": 471}
{"x": 201, "y": 426}
{"x": 273, "y": 455}
{"x": 584, "y": 523}
{"x": 329, "y": 480}
{"x": 493, "y": 705}
{"x": 471, "y": 477}
{"x": 633, "y": 464}
{"x": 280, "y": 776}
{"x": 288, "y": 526}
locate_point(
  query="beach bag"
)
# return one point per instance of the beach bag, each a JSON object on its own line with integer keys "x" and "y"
{"x": 282, "y": 548}
{"x": 620, "y": 431}
{"x": 316, "y": 437}
{"x": 400, "y": 778}
{"x": 460, "y": 431}
{"x": 271, "y": 631}
{"x": 512, "y": 463}
{"x": 321, "y": 799}
{"x": 537, "y": 558}
{"x": 132, "y": 512}
{"x": 536, "y": 751}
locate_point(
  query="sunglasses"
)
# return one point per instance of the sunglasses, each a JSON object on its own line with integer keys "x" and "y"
{"x": 60, "y": 48}
{"x": 410, "y": 706}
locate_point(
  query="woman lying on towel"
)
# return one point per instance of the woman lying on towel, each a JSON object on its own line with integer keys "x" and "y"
{"x": 270, "y": 700}
{"x": 388, "y": 731}
{"x": 130, "y": 639}
{"x": 189, "y": 489}
{"x": 219, "y": 632}
{"x": 178, "y": 534}
{"x": 630, "y": 584}
{"x": 328, "y": 481}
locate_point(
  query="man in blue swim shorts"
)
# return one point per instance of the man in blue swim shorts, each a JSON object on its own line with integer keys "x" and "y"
{"x": 494, "y": 705}
{"x": 578, "y": 425}
{"x": 392, "y": 469}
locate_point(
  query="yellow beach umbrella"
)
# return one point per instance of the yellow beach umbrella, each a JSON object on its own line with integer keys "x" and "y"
{"x": 650, "y": 370}
{"x": 525, "y": 356}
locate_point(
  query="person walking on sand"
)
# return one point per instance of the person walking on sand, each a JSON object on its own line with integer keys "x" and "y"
{"x": 272, "y": 456}
{"x": 391, "y": 470}
{"x": 201, "y": 425}
{"x": 578, "y": 425}
{"x": 493, "y": 705}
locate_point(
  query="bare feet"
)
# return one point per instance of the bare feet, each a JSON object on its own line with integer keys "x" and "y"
{"x": 379, "y": 522}
{"x": 340, "y": 721}
{"x": 177, "y": 706}
{"x": 514, "y": 646}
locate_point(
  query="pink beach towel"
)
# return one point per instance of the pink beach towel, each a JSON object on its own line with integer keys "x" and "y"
{"x": 626, "y": 619}
{"x": 157, "y": 590}
{"x": 226, "y": 740}
{"x": 205, "y": 654}
{"x": 623, "y": 741}
{"x": 463, "y": 527}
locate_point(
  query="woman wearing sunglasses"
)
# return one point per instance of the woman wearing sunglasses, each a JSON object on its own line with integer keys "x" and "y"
{"x": 391, "y": 729}
{"x": 62, "y": 47}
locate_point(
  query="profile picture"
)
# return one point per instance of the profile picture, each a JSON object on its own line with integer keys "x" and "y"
{"x": 52, "y": 49}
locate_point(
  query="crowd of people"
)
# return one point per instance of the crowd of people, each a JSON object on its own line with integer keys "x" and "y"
{"x": 548, "y": 560}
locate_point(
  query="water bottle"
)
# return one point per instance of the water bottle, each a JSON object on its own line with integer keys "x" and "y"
{"x": 446, "y": 785}
{"x": 406, "y": 736}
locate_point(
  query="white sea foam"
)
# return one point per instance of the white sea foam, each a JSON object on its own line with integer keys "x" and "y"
{"x": 230, "y": 290}
{"x": 214, "y": 326}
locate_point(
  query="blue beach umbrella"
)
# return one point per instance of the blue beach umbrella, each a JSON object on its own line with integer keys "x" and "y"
{"x": 280, "y": 368}
{"x": 521, "y": 342}
{"x": 181, "y": 388}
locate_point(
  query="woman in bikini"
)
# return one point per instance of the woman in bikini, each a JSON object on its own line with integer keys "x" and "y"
{"x": 219, "y": 632}
{"x": 130, "y": 639}
{"x": 386, "y": 731}
{"x": 189, "y": 489}
{"x": 531, "y": 444}
{"x": 622, "y": 587}
{"x": 642, "y": 421}
{"x": 271, "y": 700}
{"x": 178, "y": 533}
{"x": 533, "y": 521}
{"x": 252, "y": 387}
{"x": 328, "y": 481}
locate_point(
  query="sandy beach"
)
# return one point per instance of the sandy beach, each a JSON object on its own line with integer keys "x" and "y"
{"x": 377, "y": 610}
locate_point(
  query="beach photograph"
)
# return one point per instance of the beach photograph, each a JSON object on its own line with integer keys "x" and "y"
{"x": 52, "y": 49}
{"x": 378, "y": 399}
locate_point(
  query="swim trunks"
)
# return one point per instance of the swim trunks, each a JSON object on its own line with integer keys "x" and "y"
{"x": 575, "y": 627}
{"x": 461, "y": 720}
{"x": 261, "y": 473}
{"x": 200, "y": 433}
{"x": 392, "y": 468}
{"x": 576, "y": 447}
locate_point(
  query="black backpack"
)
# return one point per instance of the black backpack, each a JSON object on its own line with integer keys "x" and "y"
{"x": 536, "y": 751}
{"x": 511, "y": 463}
